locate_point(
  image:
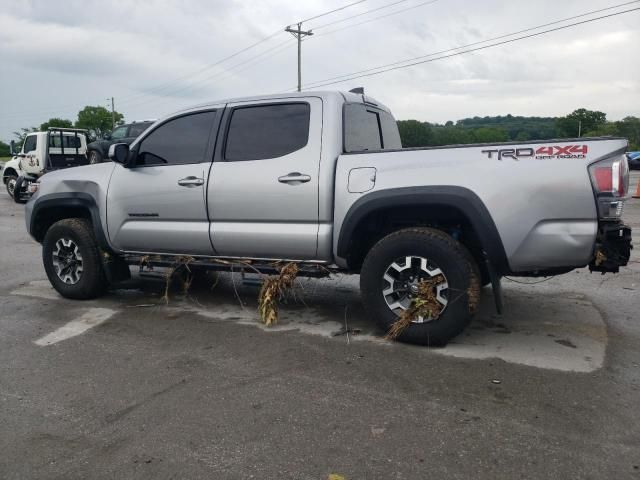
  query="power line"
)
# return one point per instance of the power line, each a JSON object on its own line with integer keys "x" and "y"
{"x": 376, "y": 18}
{"x": 332, "y": 11}
{"x": 280, "y": 47}
{"x": 372, "y": 71}
{"x": 163, "y": 87}
{"x": 206, "y": 67}
{"x": 359, "y": 14}
{"x": 235, "y": 55}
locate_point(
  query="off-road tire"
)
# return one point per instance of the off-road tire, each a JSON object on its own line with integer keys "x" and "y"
{"x": 10, "y": 179}
{"x": 454, "y": 260}
{"x": 94, "y": 157}
{"x": 92, "y": 282}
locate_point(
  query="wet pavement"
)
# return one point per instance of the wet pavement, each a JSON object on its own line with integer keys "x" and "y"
{"x": 128, "y": 386}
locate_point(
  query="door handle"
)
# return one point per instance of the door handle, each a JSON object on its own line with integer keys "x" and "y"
{"x": 294, "y": 177}
{"x": 191, "y": 182}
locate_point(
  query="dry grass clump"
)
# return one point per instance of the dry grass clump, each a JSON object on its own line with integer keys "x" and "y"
{"x": 272, "y": 291}
{"x": 180, "y": 262}
{"x": 425, "y": 304}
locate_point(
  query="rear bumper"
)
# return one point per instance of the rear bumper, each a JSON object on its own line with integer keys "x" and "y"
{"x": 613, "y": 247}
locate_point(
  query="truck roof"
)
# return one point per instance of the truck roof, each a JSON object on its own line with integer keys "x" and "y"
{"x": 346, "y": 97}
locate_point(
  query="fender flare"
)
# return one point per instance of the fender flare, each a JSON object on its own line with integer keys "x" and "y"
{"x": 462, "y": 199}
{"x": 10, "y": 169}
{"x": 68, "y": 199}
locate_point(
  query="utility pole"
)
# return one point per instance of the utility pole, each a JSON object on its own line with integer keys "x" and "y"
{"x": 113, "y": 114}
{"x": 299, "y": 34}
{"x": 579, "y": 128}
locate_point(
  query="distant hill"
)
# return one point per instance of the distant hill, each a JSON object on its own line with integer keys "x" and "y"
{"x": 504, "y": 128}
{"x": 517, "y": 128}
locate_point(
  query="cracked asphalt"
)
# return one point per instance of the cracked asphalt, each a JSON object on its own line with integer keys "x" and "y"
{"x": 127, "y": 386}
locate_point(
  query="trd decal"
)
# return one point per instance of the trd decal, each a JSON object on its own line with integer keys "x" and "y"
{"x": 548, "y": 151}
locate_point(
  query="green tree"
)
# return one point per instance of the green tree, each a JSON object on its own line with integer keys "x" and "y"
{"x": 629, "y": 127}
{"x": 414, "y": 133}
{"x": 97, "y": 120}
{"x": 5, "y": 151}
{"x": 56, "y": 122}
{"x": 22, "y": 134}
{"x": 452, "y": 135}
{"x": 490, "y": 135}
{"x": 580, "y": 121}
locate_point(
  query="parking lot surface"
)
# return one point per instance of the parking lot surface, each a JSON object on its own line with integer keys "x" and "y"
{"x": 128, "y": 386}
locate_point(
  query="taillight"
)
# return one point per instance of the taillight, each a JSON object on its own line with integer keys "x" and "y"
{"x": 610, "y": 179}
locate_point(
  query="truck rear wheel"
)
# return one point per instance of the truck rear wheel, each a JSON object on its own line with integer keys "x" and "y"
{"x": 395, "y": 267}
{"x": 72, "y": 261}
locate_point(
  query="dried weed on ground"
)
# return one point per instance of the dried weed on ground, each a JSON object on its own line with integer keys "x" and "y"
{"x": 273, "y": 290}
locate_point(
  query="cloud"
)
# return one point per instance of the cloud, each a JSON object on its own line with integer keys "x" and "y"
{"x": 157, "y": 56}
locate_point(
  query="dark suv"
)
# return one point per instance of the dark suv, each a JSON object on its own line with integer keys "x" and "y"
{"x": 98, "y": 150}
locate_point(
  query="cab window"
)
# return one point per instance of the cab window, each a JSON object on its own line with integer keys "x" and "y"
{"x": 29, "y": 144}
{"x": 179, "y": 141}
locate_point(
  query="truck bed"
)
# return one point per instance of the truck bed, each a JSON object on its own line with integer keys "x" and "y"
{"x": 538, "y": 193}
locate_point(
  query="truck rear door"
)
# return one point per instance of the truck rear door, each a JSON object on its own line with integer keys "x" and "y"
{"x": 263, "y": 189}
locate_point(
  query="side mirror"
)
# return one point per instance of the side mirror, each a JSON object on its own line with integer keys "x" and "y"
{"x": 107, "y": 136}
{"x": 12, "y": 147}
{"x": 119, "y": 153}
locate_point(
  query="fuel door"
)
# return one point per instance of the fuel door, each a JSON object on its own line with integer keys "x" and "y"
{"x": 361, "y": 179}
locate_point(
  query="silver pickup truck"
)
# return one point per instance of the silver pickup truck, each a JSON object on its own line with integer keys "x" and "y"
{"x": 321, "y": 178}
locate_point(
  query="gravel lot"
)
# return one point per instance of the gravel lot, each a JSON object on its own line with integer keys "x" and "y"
{"x": 197, "y": 389}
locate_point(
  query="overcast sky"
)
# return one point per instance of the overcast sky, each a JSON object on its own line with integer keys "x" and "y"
{"x": 158, "y": 56}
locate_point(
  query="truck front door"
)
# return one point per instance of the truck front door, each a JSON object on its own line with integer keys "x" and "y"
{"x": 263, "y": 190}
{"x": 158, "y": 205}
{"x": 31, "y": 162}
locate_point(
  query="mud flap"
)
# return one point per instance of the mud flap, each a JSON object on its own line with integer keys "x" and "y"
{"x": 115, "y": 268}
{"x": 496, "y": 286}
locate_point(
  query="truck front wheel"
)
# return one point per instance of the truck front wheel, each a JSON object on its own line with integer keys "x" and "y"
{"x": 399, "y": 265}
{"x": 95, "y": 157}
{"x": 11, "y": 184}
{"x": 72, "y": 261}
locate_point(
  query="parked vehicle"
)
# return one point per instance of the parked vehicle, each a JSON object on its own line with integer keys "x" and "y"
{"x": 634, "y": 160}
{"x": 42, "y": 152}
{"x": 98, "y": 150}
{"x": 321, "y": 179}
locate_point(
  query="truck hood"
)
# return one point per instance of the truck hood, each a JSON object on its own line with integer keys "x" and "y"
{"x": 90, "y": 179}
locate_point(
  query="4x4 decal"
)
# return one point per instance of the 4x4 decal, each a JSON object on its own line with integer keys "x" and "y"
{"x": 544, "y": 152}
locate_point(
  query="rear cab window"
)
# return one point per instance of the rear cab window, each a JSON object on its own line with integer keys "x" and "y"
{"x": 368, "y": 128}
{"x": 260, "y": 132}
{"x": 68, "y": 141}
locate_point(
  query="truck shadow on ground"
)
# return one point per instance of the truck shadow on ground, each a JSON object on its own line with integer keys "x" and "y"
{"x": 563, "y": 332}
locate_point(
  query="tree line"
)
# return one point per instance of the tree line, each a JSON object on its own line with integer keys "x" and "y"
{"x": 96, "y": 120}
{"x": 414, "y": 133}
{"x": 579, "y": 123}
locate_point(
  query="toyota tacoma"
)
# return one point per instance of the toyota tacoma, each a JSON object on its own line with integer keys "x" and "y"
{"x": 321, "y": 178}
